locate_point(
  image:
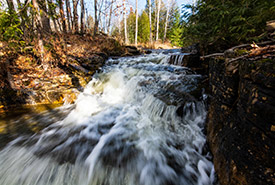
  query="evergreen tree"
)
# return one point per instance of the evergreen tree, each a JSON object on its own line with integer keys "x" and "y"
{"x": 143, "y": 28}
{"x": 131, "y": 21}
{"x": 222, "y": 24}
{"x": 176, "y": 31}
{"x": 9, "y": 26}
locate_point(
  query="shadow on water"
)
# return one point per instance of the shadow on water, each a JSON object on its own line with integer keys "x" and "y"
{"x": 26, "y": 120}
{"x": 17, "y": 118}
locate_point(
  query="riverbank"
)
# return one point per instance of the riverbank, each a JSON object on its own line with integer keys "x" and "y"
{"x": 71, "y": 60}
{"x": 240, "y": 125}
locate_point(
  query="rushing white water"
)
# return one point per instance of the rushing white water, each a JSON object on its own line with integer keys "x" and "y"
{"x": 134, "y": 124}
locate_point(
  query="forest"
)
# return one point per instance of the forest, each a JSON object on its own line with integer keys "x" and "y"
{"x": 213, "y": 24}
{"x": 158, "y": 21}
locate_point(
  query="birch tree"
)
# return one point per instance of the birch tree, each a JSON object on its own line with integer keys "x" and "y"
{"x": 136, "y": 35}
{"x": 166, "y": 20}
{"x": 158, "y": 10}
{"x": 125, "y": 22}
{"x": 150, "y": 21}
{"x": 110, "y": 17}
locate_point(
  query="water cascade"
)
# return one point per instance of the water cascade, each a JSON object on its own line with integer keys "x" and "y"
{"x": 135, "y": 123}
{"x": 177, "y": 59}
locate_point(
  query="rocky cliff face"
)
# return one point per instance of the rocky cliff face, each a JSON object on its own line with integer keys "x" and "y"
{"x": 241, "y": 119}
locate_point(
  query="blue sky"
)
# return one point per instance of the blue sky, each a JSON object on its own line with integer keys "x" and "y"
{"x": 142, "y": 3}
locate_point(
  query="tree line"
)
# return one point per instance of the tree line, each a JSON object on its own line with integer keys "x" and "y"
{"x": 158, "y": 22}
{"x": 218, "y": 25}
{"x": 24, "y": 19}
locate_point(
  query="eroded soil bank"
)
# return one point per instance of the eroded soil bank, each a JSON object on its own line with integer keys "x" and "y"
{"x": 70, "y": 60}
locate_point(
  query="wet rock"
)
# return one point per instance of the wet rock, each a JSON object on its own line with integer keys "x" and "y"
{"x": 132, "y": 50}
{"x": 240, "y": 118}
{"x": 190, "y": 57}
{"x": 147, "y": 51}
{"x": 186, "y": 60}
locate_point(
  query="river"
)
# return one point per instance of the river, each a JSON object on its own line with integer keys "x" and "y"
{"x": 135, "y": 123}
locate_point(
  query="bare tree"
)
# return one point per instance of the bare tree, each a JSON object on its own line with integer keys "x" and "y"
{"x": 82, "y": 17}
{"x": 69, "y": 15}
{"x": 39, "y": 27}
{"x": 166, "y": 20}
{"x": 158, "y": 10}
{"x": 62, "y": 15}
{"x": 125, "y": 22}
{"x": 75, "y": 19}
{"x": 96, "y": 19}
{"x": 110, "y": 17}
{"x": 52, "y": 13}
{"x": 44, "y": 16}
{"x": 136, "y": 23}
{"x": 150, "y": 21}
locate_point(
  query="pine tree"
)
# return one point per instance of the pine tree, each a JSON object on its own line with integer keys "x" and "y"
{"x": 176, "y": 31}
{"x": 131, "y": 27}
{"x": 143, "y": 28}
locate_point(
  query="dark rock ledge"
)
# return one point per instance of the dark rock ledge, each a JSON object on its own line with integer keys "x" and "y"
{"x": 241, "y": 116}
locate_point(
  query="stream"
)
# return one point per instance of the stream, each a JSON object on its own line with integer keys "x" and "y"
{"x": 137, "y": 122}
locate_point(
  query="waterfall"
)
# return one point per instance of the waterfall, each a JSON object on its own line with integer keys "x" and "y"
{"x": 123, "y": 129}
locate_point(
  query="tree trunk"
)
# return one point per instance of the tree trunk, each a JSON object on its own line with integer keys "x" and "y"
{"x": 52, "y": 13}
{"x": 39, "y": 27}
{"x": 96, "y": 19}
{"x": 105, "y": 18}
{"x": 166, "y": 20}
{"x": 136, "y": 23}
{"x": 44, "y": 16}
{"x": 82, "y": 17}
{"x": 62, "y": 15}
{"x": 69, "y": 15}
{"x": 158, "y": 10}
{"x": 125, "y": 22}
{"x": 150, "y": 21}
{"x": 75, "y": 3}
{"x": 110, "y": 17}
{"x": 119, "y": 26}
